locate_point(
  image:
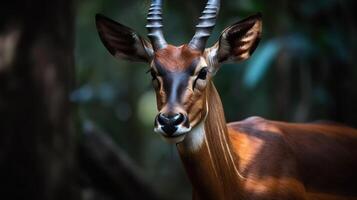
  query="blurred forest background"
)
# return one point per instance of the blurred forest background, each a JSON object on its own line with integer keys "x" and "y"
{"x": 76, "y": 123}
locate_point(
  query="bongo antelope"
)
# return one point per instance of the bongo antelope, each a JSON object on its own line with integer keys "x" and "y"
{"x": 250, "y": 159}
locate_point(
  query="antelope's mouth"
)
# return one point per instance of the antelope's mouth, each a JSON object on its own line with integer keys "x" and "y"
{"x": 174, "y": 138}
{"x": 173, "y": 128}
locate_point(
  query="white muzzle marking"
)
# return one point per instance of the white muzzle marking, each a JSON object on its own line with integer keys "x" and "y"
{"x": 180, "y": 133}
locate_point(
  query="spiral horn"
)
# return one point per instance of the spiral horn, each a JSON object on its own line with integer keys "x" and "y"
{"x": 205, "y": 25}
{"x": 154, "y": 25}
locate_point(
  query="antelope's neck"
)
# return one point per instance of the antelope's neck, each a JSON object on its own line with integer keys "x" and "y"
{"x": 208, "y": 156}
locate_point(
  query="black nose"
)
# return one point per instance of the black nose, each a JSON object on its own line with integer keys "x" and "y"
{"x": 169, "y": 122}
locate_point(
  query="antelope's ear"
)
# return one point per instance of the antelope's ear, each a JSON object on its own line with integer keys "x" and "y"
{"x": 238, "y": 41}
{"x": 123, "y": 42}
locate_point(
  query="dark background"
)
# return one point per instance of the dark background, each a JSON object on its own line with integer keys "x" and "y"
{"x": 76, "y": 123}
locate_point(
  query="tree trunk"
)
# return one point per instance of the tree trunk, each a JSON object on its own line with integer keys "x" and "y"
{"x": 37, "y": 142}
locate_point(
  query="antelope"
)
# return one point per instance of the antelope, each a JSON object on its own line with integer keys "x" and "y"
{"x": 253, "y": 159}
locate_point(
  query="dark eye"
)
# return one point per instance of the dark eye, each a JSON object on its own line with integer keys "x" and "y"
{"x": 202, "y": 74}
{"x": 152, "y": 73}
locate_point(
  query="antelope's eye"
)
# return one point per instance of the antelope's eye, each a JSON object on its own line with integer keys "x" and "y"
{"x": 152, "y": 73}
{"x": 202, "y": 74}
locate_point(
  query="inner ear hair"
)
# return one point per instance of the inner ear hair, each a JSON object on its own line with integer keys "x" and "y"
{"x": 238, "y": 41}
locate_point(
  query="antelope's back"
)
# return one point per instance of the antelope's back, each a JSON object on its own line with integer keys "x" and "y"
{"x": 321, "y": 156}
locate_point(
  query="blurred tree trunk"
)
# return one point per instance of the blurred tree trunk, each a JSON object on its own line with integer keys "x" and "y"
{"x": 36, "y": 74}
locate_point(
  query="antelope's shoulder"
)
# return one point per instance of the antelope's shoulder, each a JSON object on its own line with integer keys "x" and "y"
{"x": 255, "y": 132}
{"x": 254, "y": 125}
{"x": 256, "y": 139}
{"x": 260, "y": 144}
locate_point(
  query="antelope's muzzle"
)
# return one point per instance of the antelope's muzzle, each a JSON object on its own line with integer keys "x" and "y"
{"x": 172, "y": 125}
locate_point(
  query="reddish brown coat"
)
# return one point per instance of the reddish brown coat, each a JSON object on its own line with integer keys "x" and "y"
{"x": 274, "y": 160}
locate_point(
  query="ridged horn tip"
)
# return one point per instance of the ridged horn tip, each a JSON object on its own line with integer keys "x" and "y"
{"x": 154, "y": 25}
{"x": 205, "y": 25}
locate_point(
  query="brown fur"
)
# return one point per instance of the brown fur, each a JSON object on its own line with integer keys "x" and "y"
{"x": 213, "y": 177}
{"x": 259, "y": 159}
{"x": 176, "y": 58}
{"x": 180, "y": 59}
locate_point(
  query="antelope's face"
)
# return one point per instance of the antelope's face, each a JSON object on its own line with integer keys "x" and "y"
{"x": 180, "y": 75}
